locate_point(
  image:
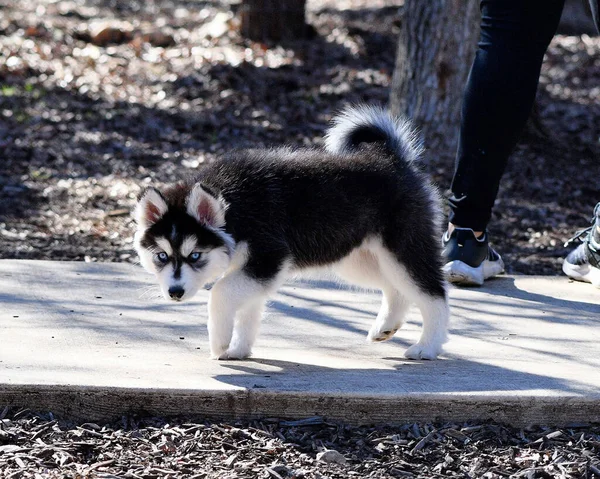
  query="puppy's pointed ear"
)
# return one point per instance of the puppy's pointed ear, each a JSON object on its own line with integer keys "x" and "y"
{"x": 207, "y": 209}
{"x": 150, "y": 208}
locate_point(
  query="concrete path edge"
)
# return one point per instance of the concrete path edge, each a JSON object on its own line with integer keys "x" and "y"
{"x": 87, "y": 403}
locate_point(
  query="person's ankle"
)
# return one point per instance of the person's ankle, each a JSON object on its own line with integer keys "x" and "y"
{"x": 451, "y": 227}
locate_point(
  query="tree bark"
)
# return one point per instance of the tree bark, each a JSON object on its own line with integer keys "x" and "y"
{"x": 277, "y": 20}
{"x": 436, "y": 46}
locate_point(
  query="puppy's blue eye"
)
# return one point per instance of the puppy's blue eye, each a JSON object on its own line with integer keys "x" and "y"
{"x": 194, "y": 257}
{"x": 162, "y": 257}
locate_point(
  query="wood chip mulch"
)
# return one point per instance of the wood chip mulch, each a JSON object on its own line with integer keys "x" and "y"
{"x": 99, "y": 98}
{"x": 40, "y": 446}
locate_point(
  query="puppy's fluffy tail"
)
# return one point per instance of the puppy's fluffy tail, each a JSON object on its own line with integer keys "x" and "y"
{"x": 371, "y": 124}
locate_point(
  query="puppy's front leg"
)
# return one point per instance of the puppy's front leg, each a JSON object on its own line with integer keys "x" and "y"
{"x": 227, "y": 297}
{"x": 245, "y": 330}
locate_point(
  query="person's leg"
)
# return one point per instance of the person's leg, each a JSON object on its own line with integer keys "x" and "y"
{"x": 498, "y": 97}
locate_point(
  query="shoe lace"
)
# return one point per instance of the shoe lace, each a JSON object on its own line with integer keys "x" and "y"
{"x": 578, "y": 235}
{"x": 586, "y": 231}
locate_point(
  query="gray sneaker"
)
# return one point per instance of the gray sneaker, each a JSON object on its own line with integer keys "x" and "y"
{"x": 469, "y": 260}
{"x": 583, "y": 263}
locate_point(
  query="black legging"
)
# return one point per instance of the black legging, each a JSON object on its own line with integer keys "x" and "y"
{"x": 499, "y": 95}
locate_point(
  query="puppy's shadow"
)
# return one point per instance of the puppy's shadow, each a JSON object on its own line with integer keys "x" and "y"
{"x": 396, "y": 376}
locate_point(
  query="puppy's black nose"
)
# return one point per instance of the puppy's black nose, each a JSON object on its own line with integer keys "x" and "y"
{"x": 176, "y": 292}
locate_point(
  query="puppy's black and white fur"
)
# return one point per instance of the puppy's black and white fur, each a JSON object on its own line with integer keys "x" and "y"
{"x": 252, "y": 218}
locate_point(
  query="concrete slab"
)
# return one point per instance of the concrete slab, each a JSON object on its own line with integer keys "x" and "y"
{"x": 95, "y": 341}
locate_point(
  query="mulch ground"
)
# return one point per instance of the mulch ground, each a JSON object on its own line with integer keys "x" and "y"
{"x": 98, "y": 99}
{"x": 35, "y": 446}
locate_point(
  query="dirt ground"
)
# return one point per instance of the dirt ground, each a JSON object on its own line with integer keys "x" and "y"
{"x": 99, "y": 98}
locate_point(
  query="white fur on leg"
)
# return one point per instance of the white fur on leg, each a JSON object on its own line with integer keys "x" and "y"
{"x": 390, "y": 317}
{"x": 229, "y": 295}
{"x": 436, "y": 316}
{"x": 245, "y": 330}
{"x": 434, "y": 310}
{"x": 237, "y": 292}
{"x": 361, "y": 267}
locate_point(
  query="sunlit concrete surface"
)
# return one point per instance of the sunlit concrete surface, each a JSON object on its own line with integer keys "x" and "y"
{"x": 96, "y": 341}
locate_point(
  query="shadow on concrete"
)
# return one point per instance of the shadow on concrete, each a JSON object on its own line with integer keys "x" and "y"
{"x": 417, "y": 377}
{"x": 496, "y": 300}
{"x": 80, "y": 303}
{"x": 505, "y": 286}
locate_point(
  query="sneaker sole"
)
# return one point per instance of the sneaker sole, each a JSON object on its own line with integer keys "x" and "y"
{"x": 462, "y": 274}
{"x": 584, "y": 272}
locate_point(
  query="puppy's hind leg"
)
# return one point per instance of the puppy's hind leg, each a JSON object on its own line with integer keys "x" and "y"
{"x": 361, "y": 267}
{"x": 391, "y": 315}
{"x": 423, "y": 284}
{"x": 436, "y": 316}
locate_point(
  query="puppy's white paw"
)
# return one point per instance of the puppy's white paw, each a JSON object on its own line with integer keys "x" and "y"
{"x": 376, "y": 335}
{"x": 421, "y": 351}
{"x": 236, "y": 352}
{"x": 217, "y": 353}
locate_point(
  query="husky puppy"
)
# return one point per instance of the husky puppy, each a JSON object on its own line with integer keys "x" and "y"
{"x": 249, "y": 220}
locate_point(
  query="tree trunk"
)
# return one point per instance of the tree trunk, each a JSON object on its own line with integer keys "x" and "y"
{"x": 436, "y": 46}
{"x": 274, "y": 19}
